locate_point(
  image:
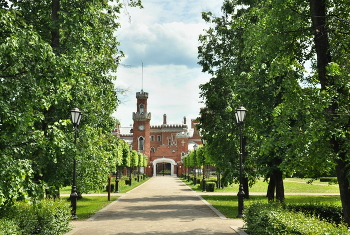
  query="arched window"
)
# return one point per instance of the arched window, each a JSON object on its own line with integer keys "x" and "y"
{"x": 142, "y": 108}
{"x": 183, "y": 154}
{"x": 141, "y": 143}
{"x": 152, "y": 150}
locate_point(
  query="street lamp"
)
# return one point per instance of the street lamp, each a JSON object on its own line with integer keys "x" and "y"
{"x": 76, "y": 117}
{"x": 138, "y": 166}
{"x": 240, "y": 116}
{"x": 204, "y": 171}
{"x": 117, "y": 171}
{"x": 195, "y": 163}
{"x": 130, "y": 166}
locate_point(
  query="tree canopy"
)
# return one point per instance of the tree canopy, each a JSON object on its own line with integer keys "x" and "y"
{"x": 287, "y": 62}
{"x": 57, "y": 55}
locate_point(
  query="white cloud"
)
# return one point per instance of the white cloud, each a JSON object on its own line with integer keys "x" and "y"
{"x": 164, "y": 36}
{"x": 161, "y": 44}
{"x": 177, "y": 95}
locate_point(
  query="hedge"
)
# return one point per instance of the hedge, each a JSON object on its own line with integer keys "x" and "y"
{"x": 272, "y": 219}
{"x": 47, "y": 217}
{"x": 330, "y": 213}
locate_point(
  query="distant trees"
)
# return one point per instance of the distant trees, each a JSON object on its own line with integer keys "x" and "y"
{"x": 287, "y": 62}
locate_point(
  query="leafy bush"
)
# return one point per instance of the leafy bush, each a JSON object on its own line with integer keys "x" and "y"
{"x": 46, "y": 218}
{"x": 210, "y": 186}
{"x": 9, "y": 227}
{"x": 272, "y": 219}
{"x": 330, "y": 180}
{"x": 330, "y": 213}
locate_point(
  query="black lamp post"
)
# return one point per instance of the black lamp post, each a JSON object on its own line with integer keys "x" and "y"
{"x": 138, "y": 167}
{"x": 130, "y": 166}
{"x": 203, "y": 180}
{"x": 188, "y": 168}
{"x": 195, "y": 163}
{"x": 76, "y": 117}
{"x": 240, "y": 116}
{"x": 117, "y": 179}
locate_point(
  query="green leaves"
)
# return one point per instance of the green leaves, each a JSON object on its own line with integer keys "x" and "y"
{"x": 54, "y": 59}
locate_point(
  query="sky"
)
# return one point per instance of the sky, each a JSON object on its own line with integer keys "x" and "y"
{"x": 163, "y": 36}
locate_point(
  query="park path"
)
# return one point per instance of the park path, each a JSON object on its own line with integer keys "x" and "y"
{"x": 162, "y": 205}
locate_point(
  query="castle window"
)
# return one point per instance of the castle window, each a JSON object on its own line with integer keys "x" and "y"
{"x": 152, "y": 150}
{"x": 159, "y": 138}
{"x": 152, "y": 137}
{"x": 141, "y": 143}
{"x": 142, "y": 108}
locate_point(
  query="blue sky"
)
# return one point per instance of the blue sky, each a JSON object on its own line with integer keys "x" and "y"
{"x": 164, "y": 37}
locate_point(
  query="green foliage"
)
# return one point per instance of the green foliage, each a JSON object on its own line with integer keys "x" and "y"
{"x": 134, "y": 158}
{"x": 210, "y": 186}
{"x": 126, "y": 155}
{"x": 46, "y": 217}
{"x": 328, "y": 212}
{"x": 16, "y": 183}
{"x": 54, "y": 58}
{"x": 285, "y": 65}
{"x": 273, "y": 219}
{"x": 9, "y": 227}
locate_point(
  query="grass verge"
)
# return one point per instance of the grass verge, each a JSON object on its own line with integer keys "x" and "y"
{"x": 228, "y": 204}
{"x": 291, "y": 185}
{"x": 89, "y": 205}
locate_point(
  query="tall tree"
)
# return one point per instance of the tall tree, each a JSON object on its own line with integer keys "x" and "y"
{"x": 310, "y": 121}
{"x": 57, "y": 55}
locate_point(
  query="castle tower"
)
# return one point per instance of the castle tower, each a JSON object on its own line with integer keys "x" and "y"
{"x": 141, "y": 127}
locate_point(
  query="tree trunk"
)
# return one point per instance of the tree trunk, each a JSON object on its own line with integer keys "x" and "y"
{"x": 342, "y": 170}
{"x": 271, "y": 188}
{"x": 279, "y": 185}
{"x": 246, "y": 187}
{"x": 318, "y": 13}
{"x": 55, "y": 31}
{"x": 276, "y": 185}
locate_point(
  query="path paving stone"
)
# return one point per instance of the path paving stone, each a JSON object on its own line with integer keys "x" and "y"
{"x": 162, "y": 205}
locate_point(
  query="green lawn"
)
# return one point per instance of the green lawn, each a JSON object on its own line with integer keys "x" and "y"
{"x": 89, "y": 205}
{"x": 291, "y": 185}
{"x": 228, "y": 205}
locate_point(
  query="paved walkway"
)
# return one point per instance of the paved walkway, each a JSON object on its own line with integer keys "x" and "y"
{"x": 162, "y": 205}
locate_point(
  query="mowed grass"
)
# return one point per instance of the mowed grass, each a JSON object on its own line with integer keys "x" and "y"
{"x": 228, "y": 204}
{"x": 89, "y": 205}
{"x": 291, "y": 185}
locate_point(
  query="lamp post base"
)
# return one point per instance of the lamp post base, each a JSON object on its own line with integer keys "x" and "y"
{"x": 74, "y": 198}
{"x": 240, "y": 196}
{"x": 117, "y": 186}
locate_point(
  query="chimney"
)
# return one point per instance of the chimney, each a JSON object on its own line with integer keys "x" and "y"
{"x": 164, "y": 119}
{"x": 184, "y": 120}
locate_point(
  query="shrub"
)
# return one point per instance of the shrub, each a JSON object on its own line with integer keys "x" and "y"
{"x": 330, "y": 213}
{"x": 210, "y": 186}
{"x": 272, "y": 219}
{"x": 9, "y": 227}
{"x": 45, "y": 218}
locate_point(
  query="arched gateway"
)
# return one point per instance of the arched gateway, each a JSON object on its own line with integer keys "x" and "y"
{"x": 164, "y": 160}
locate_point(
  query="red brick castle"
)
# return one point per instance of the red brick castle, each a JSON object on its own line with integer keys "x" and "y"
{"x": 164, "y": 144}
